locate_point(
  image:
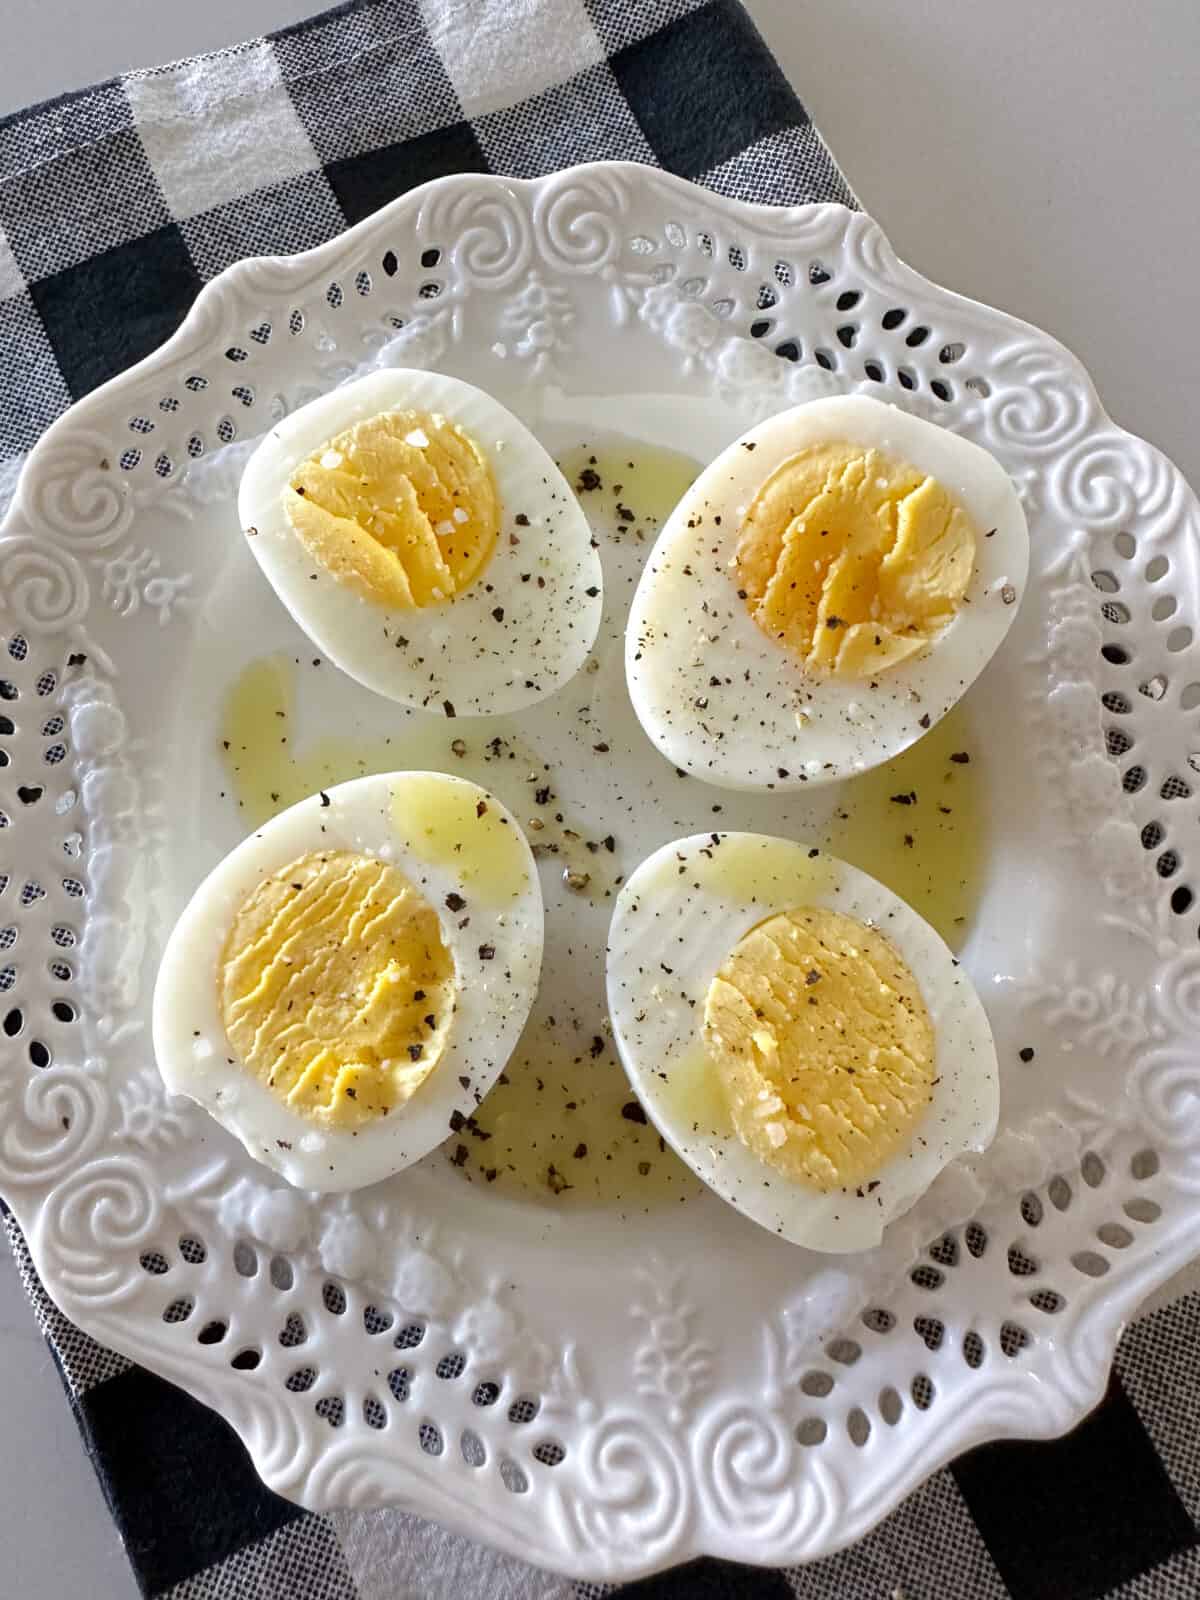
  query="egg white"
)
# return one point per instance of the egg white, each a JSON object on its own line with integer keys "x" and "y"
{"x": 494, "y": 996}
{"x": 455, "y": 653}
{"x": 688, "y": 628}
{"x": 675, "y": 922}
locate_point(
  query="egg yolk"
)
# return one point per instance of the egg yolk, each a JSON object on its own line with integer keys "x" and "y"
{"x": 336, "y": 987}
{"x": 402, "y": 507}
{"x": 823, "y": 1047}
{"x": 853, "y": 559}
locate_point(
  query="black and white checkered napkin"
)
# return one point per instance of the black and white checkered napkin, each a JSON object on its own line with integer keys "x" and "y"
{"x": 115, "y": 205}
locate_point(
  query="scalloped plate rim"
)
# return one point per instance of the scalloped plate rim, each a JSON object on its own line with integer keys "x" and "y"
{"x": 1117, "y": 1302}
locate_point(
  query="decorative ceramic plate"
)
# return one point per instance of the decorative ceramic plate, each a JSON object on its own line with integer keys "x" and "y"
{"x": 599, "y": 1367}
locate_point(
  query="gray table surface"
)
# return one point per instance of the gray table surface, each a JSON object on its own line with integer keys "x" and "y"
{"x": 1042, "y": 158}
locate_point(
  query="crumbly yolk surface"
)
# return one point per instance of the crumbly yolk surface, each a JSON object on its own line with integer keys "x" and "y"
{"x": 402, "y": 507}
{"x": 853, "y": 559}
{"x": 823, "y": 1046}
{"x": 336, "y": 987}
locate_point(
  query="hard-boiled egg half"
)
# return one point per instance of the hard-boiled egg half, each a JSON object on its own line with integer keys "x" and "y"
{"x": 825, "y": 592}
{"x": 803, "y": 1039}
{"x": 424, "y": 540}
{"x": 348, "y": 982}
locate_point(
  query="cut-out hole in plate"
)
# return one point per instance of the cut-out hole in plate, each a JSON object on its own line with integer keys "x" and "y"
{"x": 891, "y": 1407}
{"x": 429, "y": 1436}
{"x": 1090, "y": 1263}
{"x": 1114, "y": 1235}
{"x": 858, "y": 1427}
{"x": 293, "y": 1331}
{"x": 1013, "y": 1338}
{"x": 879, "y": 1319}
{"x": 245, "y": 1259}
{"x": 811, "y": 1431}
{"x": 945, "y": 1250}
{"x": 1048, "y": 1300}
{"x": 1020, "y": 1264}
{"x": 523, "y": 1409}
{"x": 332, "y": 1408}
{"x": 931, "y": 1330}
{"x": 1092, "y": 1169}
{"x": 844, "y": 1351}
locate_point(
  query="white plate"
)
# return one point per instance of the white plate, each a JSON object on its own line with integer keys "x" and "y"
{"x": 601, "y": 1389}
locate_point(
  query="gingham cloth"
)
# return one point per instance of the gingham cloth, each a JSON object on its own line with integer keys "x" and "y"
{"x": 116, "y": 204}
